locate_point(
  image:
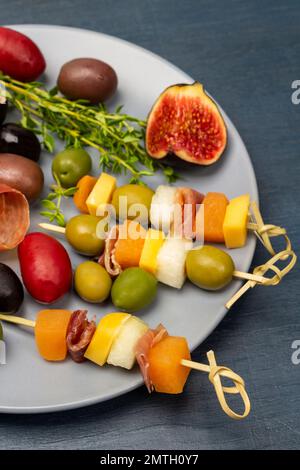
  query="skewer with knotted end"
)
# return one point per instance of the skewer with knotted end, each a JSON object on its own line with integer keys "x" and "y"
{"x": 215, "y": 374}
{"x": 263, "y": 232}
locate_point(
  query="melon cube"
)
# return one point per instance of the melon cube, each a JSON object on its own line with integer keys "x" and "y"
{"x": 166, "y": 372}
{"x": 122, "y": 353}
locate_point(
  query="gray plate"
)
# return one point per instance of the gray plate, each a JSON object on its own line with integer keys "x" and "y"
{"x": 31, "y": 385}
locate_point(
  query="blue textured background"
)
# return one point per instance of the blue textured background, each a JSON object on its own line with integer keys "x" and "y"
{"x": 247, "y": 54}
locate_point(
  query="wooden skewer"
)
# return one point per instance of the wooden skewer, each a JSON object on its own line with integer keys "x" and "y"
{"x": 248, "y": 276}
{"x": 58, "y": 229}
{"x": 267, "y": 281}
{"x": 263, "y": 232}
{"x": 215, "y": 373}
{"x": 17, "y": 320}
{"x": 52, "y": 227}
{"x": 237, "y": 274}
{"x": 252, "y": 226}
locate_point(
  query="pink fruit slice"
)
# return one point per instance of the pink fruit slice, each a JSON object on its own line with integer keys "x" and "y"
{"x": 186, "y": 122}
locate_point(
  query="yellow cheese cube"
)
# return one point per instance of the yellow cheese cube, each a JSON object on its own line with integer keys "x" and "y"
{"x": 235, "y": 221}
{"x": 153, "y": 243}
{"x": 101, "y": 193}
{"x": 104, "y": 336}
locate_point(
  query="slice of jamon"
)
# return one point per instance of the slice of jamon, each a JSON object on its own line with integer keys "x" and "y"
{"x": 14, "y": 217}
{"x": 189, "y": 199}
{"x": 107, "y": 259}
{"x": 146, "y": 342}
{"x": 79, "y": 334}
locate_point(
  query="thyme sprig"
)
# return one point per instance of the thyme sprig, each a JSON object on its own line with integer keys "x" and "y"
{"x": 53, "y": 202}
{"x": 117, "y": 136}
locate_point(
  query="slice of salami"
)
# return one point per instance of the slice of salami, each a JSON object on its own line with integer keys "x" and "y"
{"x": 14, "y": 217}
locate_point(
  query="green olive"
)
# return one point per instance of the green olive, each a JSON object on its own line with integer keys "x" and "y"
{"x": 133, "y": 194}
{"x": 133, "y": 289}
{"x": 1, "y": 332}
{"x": 81, "y": 234}
{"x": 92, "y": 282}
{"x": 70, "y": 165}
{"x": 209, "y": 267}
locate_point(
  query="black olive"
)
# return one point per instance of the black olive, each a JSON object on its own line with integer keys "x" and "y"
{"x": 3, "y": 110}
{"x": 11, "y": 290}
{"x": 15, "y": 139}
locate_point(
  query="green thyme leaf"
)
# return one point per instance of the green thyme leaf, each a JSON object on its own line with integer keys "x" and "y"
{"x": 69, "y": 192}
{"x": 48, "y": 204}
{"x": 117, "y": 136}
{"x": 49, "y": 142}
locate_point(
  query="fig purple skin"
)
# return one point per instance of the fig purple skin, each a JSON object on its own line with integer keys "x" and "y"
{"x": 88, "y": 79}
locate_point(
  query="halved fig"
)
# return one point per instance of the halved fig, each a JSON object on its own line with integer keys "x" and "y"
{"x": 186, "y": 122}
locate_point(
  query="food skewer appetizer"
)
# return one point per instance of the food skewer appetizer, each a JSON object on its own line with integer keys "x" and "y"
{"x": 223, "y": 221}
{"x": 171, "y": 258}
{"x": 121, "y": 339}
{"x": 184, "y": 120}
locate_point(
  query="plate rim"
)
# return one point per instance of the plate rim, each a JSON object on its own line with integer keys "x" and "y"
{"x": 221, "y": 313}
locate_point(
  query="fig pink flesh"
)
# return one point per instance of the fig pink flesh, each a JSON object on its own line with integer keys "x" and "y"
{"x": 185, "y": 124}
